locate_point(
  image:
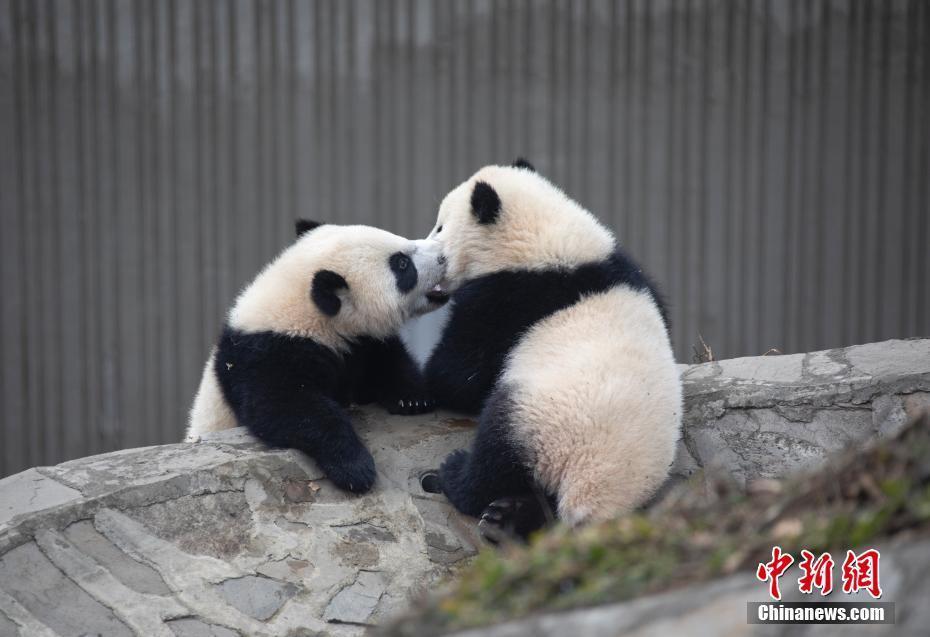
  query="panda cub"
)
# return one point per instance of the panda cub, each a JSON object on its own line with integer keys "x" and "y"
{"x": 316, "y": 331}
{"x": 561, "y": 343}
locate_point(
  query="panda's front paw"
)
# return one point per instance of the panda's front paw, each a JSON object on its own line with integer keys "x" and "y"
{"x": 356, "y": 475}
{"x": 411, "y": 406}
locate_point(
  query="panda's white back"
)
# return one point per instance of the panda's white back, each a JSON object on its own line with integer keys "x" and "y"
{"x": 597, "y": 399}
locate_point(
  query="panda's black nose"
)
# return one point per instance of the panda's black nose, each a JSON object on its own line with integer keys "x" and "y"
{"x": 442, "y": 259}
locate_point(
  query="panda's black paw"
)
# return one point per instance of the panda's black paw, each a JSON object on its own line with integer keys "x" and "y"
{"x": 356, "y": 475}
{"x": 452, "y": 468}
{"x": 512, "y": 519}
{"x": 410, "y": 406}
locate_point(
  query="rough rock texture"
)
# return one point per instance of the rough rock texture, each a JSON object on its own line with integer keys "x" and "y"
{"x": 768, "y": 416}
{"x": 224, "y": 537}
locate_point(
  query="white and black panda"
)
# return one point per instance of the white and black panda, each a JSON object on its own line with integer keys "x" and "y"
{"x": 315, "y": 331}
{"x": 561, "y": 343}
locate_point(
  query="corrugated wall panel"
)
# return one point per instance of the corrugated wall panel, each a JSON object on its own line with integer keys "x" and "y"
{"x": 767, "y": 160}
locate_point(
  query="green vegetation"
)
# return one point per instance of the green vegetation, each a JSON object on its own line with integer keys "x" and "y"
{"x": 705, "y": 528}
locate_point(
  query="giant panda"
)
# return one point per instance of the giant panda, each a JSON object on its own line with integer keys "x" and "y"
{"x": 315, "y": 331}
{"x": 560, "y": 343}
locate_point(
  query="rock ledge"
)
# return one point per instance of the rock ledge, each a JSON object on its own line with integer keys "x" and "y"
{"x": 224, "y": 537}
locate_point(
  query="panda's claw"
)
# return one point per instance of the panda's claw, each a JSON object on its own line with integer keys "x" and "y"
{"x": 418, "y": 406}
{"x": 493, "y": 533}
{"x": 511, "y": 519}
{"x": 490, "y": 515}
{"x": 502, "y": 505}
{"x": 356, "y": 475}
{"x": 410, "y": 406}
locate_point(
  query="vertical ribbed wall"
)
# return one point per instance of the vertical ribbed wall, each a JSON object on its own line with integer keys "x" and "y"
{"x": 769, "y": 162}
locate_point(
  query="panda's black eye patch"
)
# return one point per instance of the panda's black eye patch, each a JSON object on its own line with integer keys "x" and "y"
{"x": 405, "y": 272}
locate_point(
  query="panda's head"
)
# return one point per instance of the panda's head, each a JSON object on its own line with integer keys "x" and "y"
{"x": 337, "y": 283}
{"x": 511, "y": 217}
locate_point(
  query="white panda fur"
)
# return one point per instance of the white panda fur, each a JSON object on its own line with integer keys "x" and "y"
{"x": 315, "y": 331}
{"x": 210, "y": 412}
{"x": 581, "y": 391}
{"x": 580, "y": 445}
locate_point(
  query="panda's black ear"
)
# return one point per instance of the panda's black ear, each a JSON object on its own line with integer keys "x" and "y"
{"x": 520, "y": 162}
{"x": 485, "y": 203}
{"x": 306, "y": 225}
{"x": 325, "y": 285}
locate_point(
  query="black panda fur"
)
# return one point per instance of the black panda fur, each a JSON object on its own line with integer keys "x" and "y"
{"x": 292, "y": 391}
{"x": 496, "y": 309}
{"x": 490, "y": 314}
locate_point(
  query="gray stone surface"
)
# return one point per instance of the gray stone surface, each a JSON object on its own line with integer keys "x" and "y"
{"x": 767, "y": 416}
{"x": 7, "y": 627}
{"x": 355, "y": 603}
{"x": 719, "y": 607}
{"x": 30, "y": 491}
{"x": 258, "y": 597}
{"x": 196, "y": 628}
{"x": 51, "y": 599}
{"x": 226, "y": 537}
{"x": 133, "y": 574}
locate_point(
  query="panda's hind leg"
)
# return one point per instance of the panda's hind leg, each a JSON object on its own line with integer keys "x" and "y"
{"x": 494, "y": 468}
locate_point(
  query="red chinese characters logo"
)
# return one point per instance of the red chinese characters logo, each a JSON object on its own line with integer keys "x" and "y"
{"x": 771, "y": 571}
{"x": 817, "y": 573}
{"x": 860, "y": 572}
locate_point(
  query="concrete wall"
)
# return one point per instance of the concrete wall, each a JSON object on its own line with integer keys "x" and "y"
{"x": 768, "y": 161}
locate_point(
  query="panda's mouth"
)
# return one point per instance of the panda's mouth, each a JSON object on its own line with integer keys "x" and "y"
{"x": 438, "y": 295}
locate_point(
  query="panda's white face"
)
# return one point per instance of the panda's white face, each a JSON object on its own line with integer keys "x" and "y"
{"x": 336, "y": 283}
{"x": 508, "y": 217}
